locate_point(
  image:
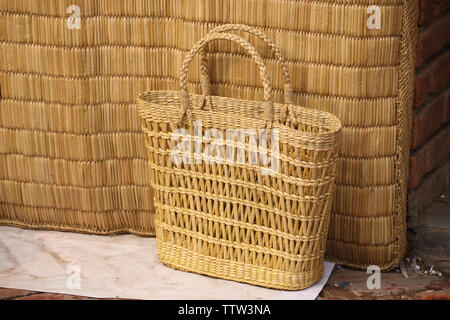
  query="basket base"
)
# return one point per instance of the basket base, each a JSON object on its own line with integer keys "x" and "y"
{"x": 180, "y": 258}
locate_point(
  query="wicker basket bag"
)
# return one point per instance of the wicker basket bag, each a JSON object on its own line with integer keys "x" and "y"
{"x": 260, "y": 213}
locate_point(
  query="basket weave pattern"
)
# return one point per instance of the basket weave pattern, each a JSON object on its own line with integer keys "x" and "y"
{"x": 228, "y": 219}
{"x": 54, "y": 87}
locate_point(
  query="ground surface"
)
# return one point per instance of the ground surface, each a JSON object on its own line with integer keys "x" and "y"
{"x": 427, "y": 265}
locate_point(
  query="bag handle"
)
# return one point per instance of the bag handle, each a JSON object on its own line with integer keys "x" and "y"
{"x": 184, "y": 94}
{"x": 206, "y": 84}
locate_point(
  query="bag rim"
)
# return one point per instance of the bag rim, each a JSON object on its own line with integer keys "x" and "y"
{"x": 333, "y": 123}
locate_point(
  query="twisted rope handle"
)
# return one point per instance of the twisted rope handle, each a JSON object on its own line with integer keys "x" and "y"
{"x": 206, "y": 84}
{"x": 184, "y": 94}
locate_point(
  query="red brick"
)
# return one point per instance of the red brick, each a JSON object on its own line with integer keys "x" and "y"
{"x": 440, "y": 70}
{"x": 8, "y": 293}
{"x": 52, "y": 296}
{"x": 442, "y": 6}
{"x": 428, "y": 9}
{"x": 422, "y": 87}
{"x": 441, "y": 295}
{"x": 331, "y": 293}
{"x": 432, "y": 39}
{"x": 429, "y": 156}
{"x": 428, "y": 120}
{"x": 447, "y": 107}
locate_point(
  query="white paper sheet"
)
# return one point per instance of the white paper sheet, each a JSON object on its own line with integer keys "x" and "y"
{"x": 124, "y": 266}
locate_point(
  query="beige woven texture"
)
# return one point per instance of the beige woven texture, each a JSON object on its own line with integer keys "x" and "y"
{"x": 228, "y": 218}
{"x": 77, "y": 87}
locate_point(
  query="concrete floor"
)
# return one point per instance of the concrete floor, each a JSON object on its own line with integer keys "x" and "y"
{"x": 428, "y": 249}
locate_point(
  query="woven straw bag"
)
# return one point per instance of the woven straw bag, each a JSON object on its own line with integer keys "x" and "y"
{"x": 240, "y": 220}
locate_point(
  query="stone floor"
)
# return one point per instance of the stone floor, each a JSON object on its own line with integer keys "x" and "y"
{"x": 428, "y": 249}
{"x": 426, "y": 265}
{"x": 347, "y": 284}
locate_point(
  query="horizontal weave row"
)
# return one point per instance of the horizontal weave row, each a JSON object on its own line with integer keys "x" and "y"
{"x": 119, "y": 221}
{"x": 83, "y": 119}
{"x": 284, "y": 15}
{"x": 179, "y": 35}
{"x": 320, "y": 80}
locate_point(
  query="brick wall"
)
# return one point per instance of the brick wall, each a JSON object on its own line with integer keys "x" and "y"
{"x": 430, "y": 139}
